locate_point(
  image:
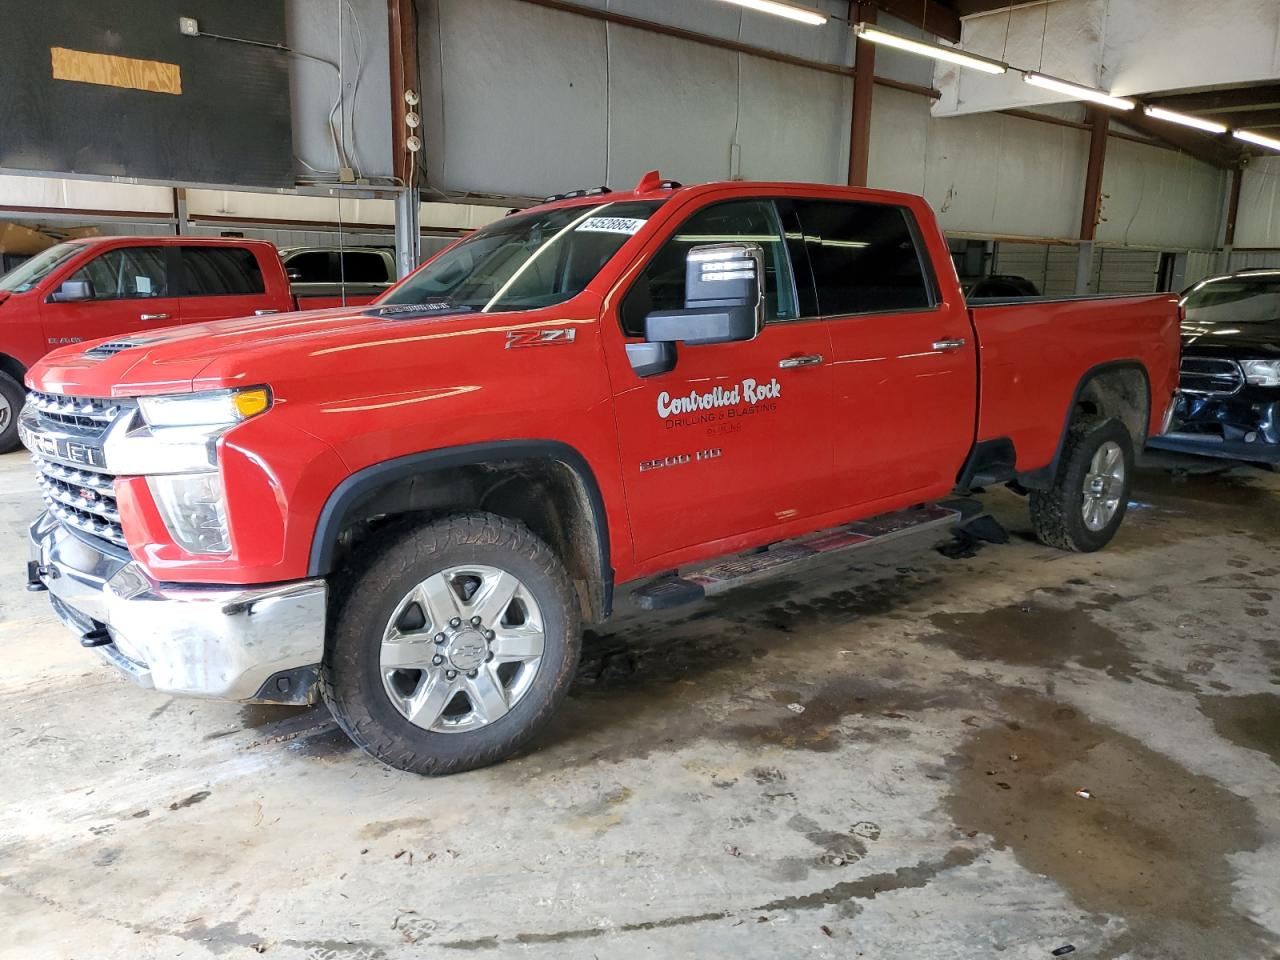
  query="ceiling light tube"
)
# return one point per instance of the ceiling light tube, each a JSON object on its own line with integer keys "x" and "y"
{"x": 1078, "y": 91}
{"x": 1271, "y": 143}
{"x": 780, "y": 8}
{"x": 937, "y": 51}
{"x": 1208, "y": 126}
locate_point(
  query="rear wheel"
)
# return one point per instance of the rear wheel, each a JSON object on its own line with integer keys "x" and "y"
{"x": 1086, "y": 504}
{"x": 454, "y": 645}
{"x": 11, "y": 399}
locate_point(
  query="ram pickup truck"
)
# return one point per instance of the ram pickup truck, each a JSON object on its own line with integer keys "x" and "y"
{"x": 108, "y": 286}
{"x": 410, "y": 508}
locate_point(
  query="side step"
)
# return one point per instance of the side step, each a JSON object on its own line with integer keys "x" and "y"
{"x": 708, "y": 581}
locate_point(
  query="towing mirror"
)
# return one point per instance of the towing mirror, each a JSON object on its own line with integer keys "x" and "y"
{"x": 722, "y": 303}
{"x": 72, "y": 290}
{"x": 722, "y": 298}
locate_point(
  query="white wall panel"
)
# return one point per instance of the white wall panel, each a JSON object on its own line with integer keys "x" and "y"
{"x": 900, "y": 128}
{"x": 1007, "y": 176}
{"x": 1158, "y": 197}
{"x": 514, "y": 97}
{"x": 364, "y": 117}
{"x": 84, "y": 194}
{"x": 1258, "y": 223}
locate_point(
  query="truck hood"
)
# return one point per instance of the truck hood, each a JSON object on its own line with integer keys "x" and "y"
{"x": 1258, "y": 339}
{"x": 244, "y": 350}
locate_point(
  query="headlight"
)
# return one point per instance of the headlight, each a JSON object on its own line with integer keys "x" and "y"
{"x": 1262, "y": 373}
{"x": 215, "y": 408}
{"x": 193, "y": 509}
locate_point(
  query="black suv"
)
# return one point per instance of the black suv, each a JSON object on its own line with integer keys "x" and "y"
{"x": 1229, "y": 395}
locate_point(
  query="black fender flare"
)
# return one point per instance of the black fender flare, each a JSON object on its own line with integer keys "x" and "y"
{"x": 333, "y": 516}
{"x": 1042, "y": 477}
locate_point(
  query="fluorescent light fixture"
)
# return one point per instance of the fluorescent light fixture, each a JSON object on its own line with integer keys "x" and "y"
{"x": 1250, "y": 137}
{"x": 1208, "y": 126}
{"x": 1078, "y": 91}
{"x": 780, "y": 8}
{"x": 937, "y": 51}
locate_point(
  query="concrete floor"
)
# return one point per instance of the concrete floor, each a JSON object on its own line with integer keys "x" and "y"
{"x": 922, "y": 804}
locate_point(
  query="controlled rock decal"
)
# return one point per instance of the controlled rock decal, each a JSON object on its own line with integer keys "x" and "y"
{"x": 750, "y": 392}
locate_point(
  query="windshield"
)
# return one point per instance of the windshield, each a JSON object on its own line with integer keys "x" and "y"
{"x": 30, "y": 272}
{"x": 1235, "y": 299}
{"x": 527, "y": 261}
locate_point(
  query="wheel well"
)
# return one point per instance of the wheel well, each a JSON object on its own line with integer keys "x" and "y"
{"x": 12, "y": 367}
{"x": 1122, "y": 393}
{"x": 551, "y": 497}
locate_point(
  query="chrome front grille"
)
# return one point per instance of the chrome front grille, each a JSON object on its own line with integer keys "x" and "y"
{"x": 82, "y": 499}
{"x": 1210, "y": 377}
{"x": 91, "y": 415}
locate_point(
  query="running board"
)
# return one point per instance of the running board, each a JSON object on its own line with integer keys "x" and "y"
{"x": 693, "y": 585}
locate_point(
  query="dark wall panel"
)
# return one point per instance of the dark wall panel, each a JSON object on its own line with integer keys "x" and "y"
{"x": 228, "y": 125}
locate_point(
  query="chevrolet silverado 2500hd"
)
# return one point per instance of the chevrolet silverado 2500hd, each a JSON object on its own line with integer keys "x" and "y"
{"x": 84, "y": 290}
{"x": 411, "y": 507}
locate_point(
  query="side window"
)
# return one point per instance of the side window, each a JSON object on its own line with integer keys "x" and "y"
{"x": 364, "y": 267}
{"x": 311, "y": 267}
{"x": 864, "y": 256}
{"x": 660, "y": 286}
{"x": 220, "y": 272}
{"x": 127, "y": 273}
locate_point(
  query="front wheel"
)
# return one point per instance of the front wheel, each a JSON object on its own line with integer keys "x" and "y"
{"x": 453, "y": 646}
{"x": 11, "y": 398}
{"x": 1084, "y": 508}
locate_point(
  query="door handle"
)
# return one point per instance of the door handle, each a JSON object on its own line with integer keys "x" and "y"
{"x": 153, "y": 316}
{"x": 955, "y": 343}
{"x": 263, "y": 313}
{"x": 812, "y": 360}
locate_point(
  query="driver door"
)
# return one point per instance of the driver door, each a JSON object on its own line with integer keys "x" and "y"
{"x": 736, "y": 438}
{"x": 129, "y": 291}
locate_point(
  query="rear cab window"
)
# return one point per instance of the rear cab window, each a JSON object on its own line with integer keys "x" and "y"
{"x": 220, "y": 272}
{"x": 863, "y": 257}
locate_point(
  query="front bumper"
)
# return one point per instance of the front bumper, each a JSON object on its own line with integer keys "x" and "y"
{"x": 228, "y": 643}
{"x": 1242, "y": 426}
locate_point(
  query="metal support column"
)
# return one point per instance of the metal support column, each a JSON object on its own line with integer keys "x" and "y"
{"x": 180, "y": 223}
{"x": 1229, "y": 217}
{"x": 408, "y": 232}
{"x": 1099, "y": 123}
{"x": 864, "y": 78}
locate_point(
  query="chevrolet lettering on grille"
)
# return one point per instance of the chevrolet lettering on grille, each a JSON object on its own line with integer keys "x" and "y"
{"x": 69, "y": 451}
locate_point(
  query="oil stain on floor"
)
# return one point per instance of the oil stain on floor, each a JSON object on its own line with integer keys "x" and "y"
{"x": 1149, "y": 844}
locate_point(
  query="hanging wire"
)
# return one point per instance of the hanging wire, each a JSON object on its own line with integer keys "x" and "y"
{"x": 1044, "y": 33}
{"x": 1004, "y": 51}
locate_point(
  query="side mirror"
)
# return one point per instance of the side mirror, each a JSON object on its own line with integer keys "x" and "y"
{"x": 72, "y": 290}
{"x": 722, "y": 298}
{"x": 723, "y": 303}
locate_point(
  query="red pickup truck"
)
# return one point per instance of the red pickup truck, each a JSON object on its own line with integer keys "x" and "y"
{"x": 410, "y": 508}
{"x": 107, "y": 286}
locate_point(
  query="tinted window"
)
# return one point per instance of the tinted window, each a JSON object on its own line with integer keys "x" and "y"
{"x": 126, "y": 274}
{"x": 526, "y": 261}
{"x": 864, "y": 257}
{"x": 998, "y": 286}
{"x": 661, "y": 285}
{"x": 364, "y": 267}
{"x": 220, "y": 272}
{"x": 315, "y": 266}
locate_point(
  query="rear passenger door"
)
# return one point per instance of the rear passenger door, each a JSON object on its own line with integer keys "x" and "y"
{"x": 219, "y": 282}
{"x": 903, "y": 364}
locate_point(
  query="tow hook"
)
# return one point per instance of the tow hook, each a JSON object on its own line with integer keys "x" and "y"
{"x": 98, "y": 637}
{"x": 36, "y": 572}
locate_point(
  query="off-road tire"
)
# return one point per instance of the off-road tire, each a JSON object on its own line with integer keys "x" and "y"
{"x": 350, "y": 674}
{"x": 1057, "y": 513}
{"x": 12, "y": 395}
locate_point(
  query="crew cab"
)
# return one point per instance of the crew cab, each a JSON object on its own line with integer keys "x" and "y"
{"x": 98, "y": 287}
{"x": 411, "y": 508}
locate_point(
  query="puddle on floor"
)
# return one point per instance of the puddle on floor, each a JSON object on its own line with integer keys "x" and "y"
{"x": 1251, "y": 721}
{"x": 1149, "y": 846}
